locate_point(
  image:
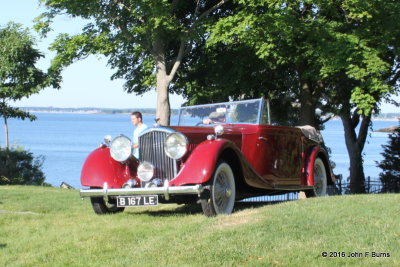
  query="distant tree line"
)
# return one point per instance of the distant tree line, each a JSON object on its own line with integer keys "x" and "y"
{"x": 144, "y": 111}
{"x": 387, "y": 116}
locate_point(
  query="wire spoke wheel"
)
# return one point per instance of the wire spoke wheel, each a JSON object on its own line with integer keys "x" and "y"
{"x": 222, "y": 192}
{"x": 320, "y": 180}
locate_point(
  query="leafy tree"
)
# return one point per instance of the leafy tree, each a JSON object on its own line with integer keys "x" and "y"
{"x": 18, "y": 75}
{"x": 18, "y": 166}
{"x": 390, "y": 177}
{"x": 233, "y": 72}
{"x": 341, "y": 55}
{"x": 145, "y": 41}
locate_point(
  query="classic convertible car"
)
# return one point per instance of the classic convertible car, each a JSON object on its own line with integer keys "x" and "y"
{"x": 216, "y": 155}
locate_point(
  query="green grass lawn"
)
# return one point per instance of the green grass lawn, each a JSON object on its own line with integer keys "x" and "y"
{"x": 42, "y": 226}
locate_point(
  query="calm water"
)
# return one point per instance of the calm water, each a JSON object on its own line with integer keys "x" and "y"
{"x": 66, "y": 139}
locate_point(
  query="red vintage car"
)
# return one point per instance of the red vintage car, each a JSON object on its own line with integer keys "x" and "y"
{"x": 216, "y": 155}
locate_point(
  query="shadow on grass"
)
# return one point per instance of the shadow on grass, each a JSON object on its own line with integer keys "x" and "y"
{"x": 3, "y": 245}
{"x": 192, "y": 209}
{"x": 188, "y": 209}
{"x": 248, "y": 205}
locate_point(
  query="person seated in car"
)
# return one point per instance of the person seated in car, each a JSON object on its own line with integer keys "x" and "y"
{"x": 215, "y": 117}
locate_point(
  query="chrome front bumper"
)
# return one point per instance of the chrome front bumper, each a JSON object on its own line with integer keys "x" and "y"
{"x": 165, "y": 190}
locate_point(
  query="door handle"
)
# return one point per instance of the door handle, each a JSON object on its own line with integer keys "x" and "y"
{"x": 263, "y": 138}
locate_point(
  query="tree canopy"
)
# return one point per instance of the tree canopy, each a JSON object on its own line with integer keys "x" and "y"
{"x": 145, "y": 41}
{"x": 322, "y": 42}
{"x": 19, "y": 77}
{"x": 342, "y": 56}
{"x": 390, "y": 165}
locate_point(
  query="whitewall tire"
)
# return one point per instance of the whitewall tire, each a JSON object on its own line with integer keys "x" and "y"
{"x": 320, "y": 180}
{"x": 222, "y": 195}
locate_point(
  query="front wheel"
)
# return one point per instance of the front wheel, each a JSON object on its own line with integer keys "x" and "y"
{"x": 221, "y": 199}
{"x": 320, "y": 180}
{"x": 105, "y": 205}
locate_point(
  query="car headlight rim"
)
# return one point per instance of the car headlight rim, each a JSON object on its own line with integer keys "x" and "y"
{"x": 175, "y": 145}
{"x": 121, "y": 148}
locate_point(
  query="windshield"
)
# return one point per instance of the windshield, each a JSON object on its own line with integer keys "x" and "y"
{"x": 239, "y": 112}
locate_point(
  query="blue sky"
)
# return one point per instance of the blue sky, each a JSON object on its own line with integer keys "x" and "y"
{"x": 85, "y": 83}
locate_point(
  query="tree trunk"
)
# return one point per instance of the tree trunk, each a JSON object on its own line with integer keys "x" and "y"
{"x": 163, "y": 105}
{"x": 355, "y": 145}
{"x": 308, "y": 105}
{"x": 163, "y": 81}
{"x": 6, "y": 132}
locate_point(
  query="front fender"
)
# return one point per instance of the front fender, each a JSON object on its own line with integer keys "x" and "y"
{"x": 200, "y": 165}
{"x": 100, "y": 167}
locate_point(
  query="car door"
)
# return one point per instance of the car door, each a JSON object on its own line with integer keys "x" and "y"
{"x": 280, "y": 149}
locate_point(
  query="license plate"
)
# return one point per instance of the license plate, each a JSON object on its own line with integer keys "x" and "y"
{"x": 137, "y": 201}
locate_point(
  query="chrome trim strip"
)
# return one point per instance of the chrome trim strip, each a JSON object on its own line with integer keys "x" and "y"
{"x": 158, "y": 129}
{"x": 179, "y": 117}
{"x": 165, "y": 190}
{"x": 293, "y": 187}
{"x": 260, "y": 111}
{"x": 269, "y": 112}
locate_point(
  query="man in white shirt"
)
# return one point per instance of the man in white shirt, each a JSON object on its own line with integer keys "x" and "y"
{"x": 136, "y": 118}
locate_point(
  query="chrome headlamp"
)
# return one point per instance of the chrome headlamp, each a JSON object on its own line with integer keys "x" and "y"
{"x": 121, "y": 148}
{"x": 175, "y": 145}
{"x": 145, "y": 171}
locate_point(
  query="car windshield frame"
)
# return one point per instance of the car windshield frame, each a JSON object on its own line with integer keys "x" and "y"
{"x": 260, "y": 114}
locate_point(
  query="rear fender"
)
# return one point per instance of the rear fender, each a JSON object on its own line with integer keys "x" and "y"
{"x": 100, "y": 168}
{"x": 200, "y": 165}
{"x": 315, "y": 152}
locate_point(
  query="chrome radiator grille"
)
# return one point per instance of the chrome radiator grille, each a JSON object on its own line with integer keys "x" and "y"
{"x": 151, "y": 149}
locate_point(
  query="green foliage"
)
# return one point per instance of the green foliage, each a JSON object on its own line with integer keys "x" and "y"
{"x": 342, "y": 57}
{"x": 145, "y": 41}
{"x": 54, "y": 227}
{"x": 390, "y": 165}
{"x": 339, "y": 48}
{"x": 133, "y": 34}
{"x": 19, "y": 76}
{"x": 19, "y": 166}
{"x": 213, "y": 75}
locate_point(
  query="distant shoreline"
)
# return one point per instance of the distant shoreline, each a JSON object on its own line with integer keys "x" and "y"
{"x": 393, "y": 116}
{"x": 78, "y": 112}
{"x": 378, "y": 119}
{"x": 144, "y": 111}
